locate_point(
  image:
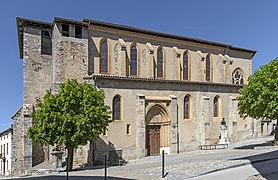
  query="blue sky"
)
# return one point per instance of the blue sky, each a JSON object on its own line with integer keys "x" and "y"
{"x": 248, "y": 24}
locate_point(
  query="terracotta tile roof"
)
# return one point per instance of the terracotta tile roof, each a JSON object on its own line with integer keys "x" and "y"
{"x": 21, "y": 22}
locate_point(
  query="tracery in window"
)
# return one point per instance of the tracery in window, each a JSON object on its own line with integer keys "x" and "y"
{"x": 116, "y": 108}
{"x": 104, "y": 57}
{"x": 208, "y": 67}
{"x": 237, "y": 77}
{"x": 185, "y": 66}
{"x": 133, "y": 60}
{"x": 160, "y": 63}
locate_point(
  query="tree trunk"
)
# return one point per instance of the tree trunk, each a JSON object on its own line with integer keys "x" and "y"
{"x": 70, "y": 157}
{"x": 276, "y": 134}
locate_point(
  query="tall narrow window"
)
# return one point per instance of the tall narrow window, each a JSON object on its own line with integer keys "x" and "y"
{"x": 160, "y": 63}
{"x": 7, "y": 148}
{"x": 185, "y": 66}
{"x": 103, "y": 57}
{"x": 128, "y": 129}
{"x": 65, "y": 30}
{"x": 78, "y": 31}
{"x": 117, "y": 108}
{"x": 46, "y": 44}
{"x": 133, "y": 60}
{"x": 216, "y": 106}
{"x": 208, "y": 67}
{"x": 186, "y": 114}
{"x": 237, "y": 77}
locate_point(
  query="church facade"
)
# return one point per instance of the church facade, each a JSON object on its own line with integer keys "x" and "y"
{"x": 166, "y": 92}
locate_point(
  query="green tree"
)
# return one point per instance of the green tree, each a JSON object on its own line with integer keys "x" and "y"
{"x": 72, "y": 117}
{"x": 259, "y": 99}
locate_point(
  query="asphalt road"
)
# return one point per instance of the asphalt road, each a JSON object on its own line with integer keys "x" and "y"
{"x": 266, "y": 168}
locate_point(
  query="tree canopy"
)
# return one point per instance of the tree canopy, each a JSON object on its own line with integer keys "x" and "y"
{"x": 259, "y": 99}
{"x": 72, "y": 117}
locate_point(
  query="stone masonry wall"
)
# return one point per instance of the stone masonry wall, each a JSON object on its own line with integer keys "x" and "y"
{"x": 70, "y": 55}
{"x": 71, "y": 60}
{"x": 17, "y": 143}
{"x": 37, "y": 79}
{"x": 191, "y": 131}
{"x": 37, "y": 67}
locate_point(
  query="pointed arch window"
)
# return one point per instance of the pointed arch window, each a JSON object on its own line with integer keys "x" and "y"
{"x": 160, "y": 63}
{"x": 237, "y": 77}
{"x": 216, "y": 106}
{"x": 185, "y": 66}
{"x": 186, "y": 108}
{"x": 117, "y": 108}
{"x": 208, "y": 67}
{"x": 104, "y": 57}
{"x": 133, "y": 60}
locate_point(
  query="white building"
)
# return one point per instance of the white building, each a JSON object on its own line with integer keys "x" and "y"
{"x": 5, "y": 151}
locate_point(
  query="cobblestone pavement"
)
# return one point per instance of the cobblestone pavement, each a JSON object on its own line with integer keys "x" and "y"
{"x": 191, "y": 164}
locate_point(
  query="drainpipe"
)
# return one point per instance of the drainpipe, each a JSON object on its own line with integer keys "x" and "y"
{"x": 178, "y": 137}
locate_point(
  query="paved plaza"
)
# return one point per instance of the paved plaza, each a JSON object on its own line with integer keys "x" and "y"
{"x": 194, "y": 164}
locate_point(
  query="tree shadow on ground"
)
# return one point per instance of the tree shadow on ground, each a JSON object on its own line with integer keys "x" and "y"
{"x": 74, "y": 178}
{"x": 260, "y": 157}
{"x": 265, "y": 163}
{"x": 88, "y": 168}
{"x": 253, "y": 146}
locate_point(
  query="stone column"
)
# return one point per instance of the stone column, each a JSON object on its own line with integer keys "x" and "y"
{"x": 174, "y": 125}
{"x": 140, "y": 127}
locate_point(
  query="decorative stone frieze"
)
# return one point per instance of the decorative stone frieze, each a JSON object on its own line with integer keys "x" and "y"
{"x": 150, "y": 48}
{"x": 200, "y": 56}
{"x": 228, "y": 59}
{"x": 122, "y": 44}
{"x": 177, "y": 52}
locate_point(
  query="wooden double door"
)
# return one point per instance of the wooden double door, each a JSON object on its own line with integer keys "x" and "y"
{"x": 153, "y": 140}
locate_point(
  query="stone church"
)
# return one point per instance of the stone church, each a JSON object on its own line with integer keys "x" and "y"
{"x": 166, "y": 92}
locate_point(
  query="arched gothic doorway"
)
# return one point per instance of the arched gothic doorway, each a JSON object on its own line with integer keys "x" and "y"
{"x": 157, "y": 130}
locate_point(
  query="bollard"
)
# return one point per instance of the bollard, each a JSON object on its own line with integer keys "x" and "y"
{"x": 163, "y": 164}
{"x": 105, "y": 167}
